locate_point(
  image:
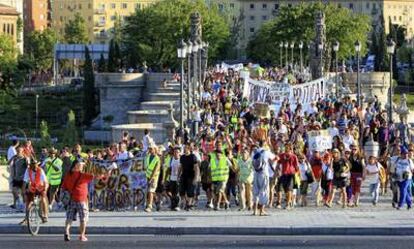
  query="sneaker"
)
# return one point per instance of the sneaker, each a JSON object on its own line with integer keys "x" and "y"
{"x": 12, "y": 206}
{"x": 210, "y": 205}
{"x": 226, "y": 205}
{"x": 66, "y": 237}
{"x": 148, "y": 210}
{"x": 279, "y": 206}
{"x": 217, "y": 208}
{"x": 50, "y": 208}
{"x": 177, "y": 209}
{"x": 44, "y": 220}
{"x": 83, "y": 238}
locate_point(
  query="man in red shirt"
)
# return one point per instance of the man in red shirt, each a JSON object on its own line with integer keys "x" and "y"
{"x": 76, "y": 183}
{"x": 289, "y": 164}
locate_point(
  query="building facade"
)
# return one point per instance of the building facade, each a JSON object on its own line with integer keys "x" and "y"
{"x": 256, "y": 12}
{"x": 8, "y": 21}
{"x": 100, "y": 15}
{"x": 18, "y": 6}
{"x": 35, "y": 15}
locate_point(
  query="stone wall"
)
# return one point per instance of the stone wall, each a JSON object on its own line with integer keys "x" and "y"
{"x": 118, "y": 94}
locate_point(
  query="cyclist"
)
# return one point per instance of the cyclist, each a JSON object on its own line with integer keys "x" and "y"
{"x": 36, "y": 181}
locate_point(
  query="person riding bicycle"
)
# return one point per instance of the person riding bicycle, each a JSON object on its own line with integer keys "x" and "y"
{"x": 36, "y": 185}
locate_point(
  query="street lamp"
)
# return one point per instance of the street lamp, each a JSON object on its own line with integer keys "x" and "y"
{"x": 181, "y": 54}
{"x": 287, "y": 57}
{"x": 200, "y": 77}
{"x": 37, "y": 113}
{"x": 280, "y": 51}
{"x": 390, "y": 51}
{"x": 358, "y": 50}
{"x": 189, "y": 52}
{"x": 195, "y": 69}
{"x": 292, "y": 45}
{"x": 320, "y": 49}
{"x": 336, "y": 49}
{"x": 301, "y": 59}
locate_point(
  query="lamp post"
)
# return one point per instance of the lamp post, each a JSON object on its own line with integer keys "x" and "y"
{"x": 37, "y": 113}
{"x": 292, "y": 45}
{"x": 390, "y": 51}
{"x": 287, "y": 57}
{"x": 280, "y": 51}
{"x": 301, "y": 58}
{"x": 189, "y": 52}
{"x": 181, "y": 54}
{"x": 195, "y": 69}
{"x": 336, "y": 49}
{"x": 200, "y": 68}
{"x": 320, "y": 49}
{"x": 358, "y": 50}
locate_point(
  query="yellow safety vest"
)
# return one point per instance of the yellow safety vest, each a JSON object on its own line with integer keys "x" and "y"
{"x": 167, "y": 161}
{"x": 151, "y": 166}
{"x": 219, "y": 169}
{"x": 54, "y": 176}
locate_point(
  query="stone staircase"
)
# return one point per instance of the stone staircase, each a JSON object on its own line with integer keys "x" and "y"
{"x": 156, "y": 112}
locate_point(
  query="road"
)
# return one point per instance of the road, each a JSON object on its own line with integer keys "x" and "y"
{"x": 171, "y": 242}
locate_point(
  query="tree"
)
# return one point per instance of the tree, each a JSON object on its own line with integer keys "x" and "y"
{"x": 117, "y": 30}
{"x": 152, "y": 33}
{"x": 40, "y": 45}
{"x": 8, "y": 60}
{"x": 45, "y": 139}
{"x": 111, "y": 57}
{"x": 296, "y": 23}
{"x": 102, "y": 64}
{"x": 89, "y": 93}
{"x": 70, "y": 136}
{"x": 75, "y": 31}
{"x": 379, "y": 48}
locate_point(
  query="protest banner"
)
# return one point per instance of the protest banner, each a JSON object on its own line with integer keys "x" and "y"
{"x": 319, "y": 140}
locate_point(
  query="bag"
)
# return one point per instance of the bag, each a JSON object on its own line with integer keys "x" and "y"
{"x": 309, "y": 176}
{"x": 66, "y": 196}
{"x": 258, "y": 161}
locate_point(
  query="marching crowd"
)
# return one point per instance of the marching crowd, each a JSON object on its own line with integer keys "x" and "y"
{"x": 239, "y": 157}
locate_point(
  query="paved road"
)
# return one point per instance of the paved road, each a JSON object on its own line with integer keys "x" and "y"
{"x": 171, "y": 242}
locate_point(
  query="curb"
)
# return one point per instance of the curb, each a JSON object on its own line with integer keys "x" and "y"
{"x": 367, "y": 231}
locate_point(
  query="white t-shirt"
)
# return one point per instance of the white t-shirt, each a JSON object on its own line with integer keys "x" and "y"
{"x": 328, "y": 171}
{"x": 26, "y": 176}
{"x": 373, "y": 170}
{"x": 174, "y": 165}
{"x": 267, "y": 156}
{"x": 11, "y": 152}
{"x": 348, "y": 140}
{"x": 404, "y": 165}
{"x": 123, "y": 155}
{"x": 333, "y": 131}
{"x": 303, "y": 168}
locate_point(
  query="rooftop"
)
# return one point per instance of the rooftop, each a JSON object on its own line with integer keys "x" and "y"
{"x": 7, "y": 10}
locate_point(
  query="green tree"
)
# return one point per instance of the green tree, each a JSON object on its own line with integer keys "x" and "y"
{"x": 296, "y": 23}
{"x": 102, "y": 64}
{"x": 8, "y": 60}
{"x": 70, "y": 136}
{"x": 45, "y": 139}
{"x": 111, "y": 57}
{"x": 89, "y": 93}
{"x": 117, "y": 30}
{"x": 75, "y": 30}
{"x": 152, "y": 33}
{"x": 40, "y": 45}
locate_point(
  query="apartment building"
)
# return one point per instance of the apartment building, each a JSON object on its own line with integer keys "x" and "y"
{"x": 8, "y": 21}
{"x": 99, "y": 15}
{"x": 35, "y": 15}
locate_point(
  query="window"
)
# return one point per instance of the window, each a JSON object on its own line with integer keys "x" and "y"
{"x": 61, "y": 18}
{"x": 80, "y": 6}
{"x": 252, "y": 6}
{"x": 395, "y": 18}
{"x": 374, "y": 5}
{"x": 113, "y": 18}
{"x": 102, "y": 6}
{"x": 12, "y": 29}
{"x": 339, "y": 5}
{"x": 89, "y": 6}
{"x": 251, "y": 30}
{"x": 113, "y": 5}
{"x": 138, "y": 6}
{"x": 276, "y": 6}
{"x": 124, "y": 5}
{"x": 264, "y": 18}
{"x": 232, "y": 5}
{"x": 89, "y": 18}
{"x": 221, "y": 7}
{"x": 264, "y": 6}
{"x": 251, "y": 18}
{"x": 351, "y": 6}
{"x": 367, "y": 5}
{"x": 400, "y": 18}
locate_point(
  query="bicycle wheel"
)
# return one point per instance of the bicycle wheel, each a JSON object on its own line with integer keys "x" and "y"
{"x": 33, "y": 220}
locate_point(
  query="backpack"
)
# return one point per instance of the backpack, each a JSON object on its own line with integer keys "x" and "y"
{"x": 258, "y": 161}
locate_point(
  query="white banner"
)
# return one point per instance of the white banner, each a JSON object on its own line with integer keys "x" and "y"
{"x": 319, "y": 141}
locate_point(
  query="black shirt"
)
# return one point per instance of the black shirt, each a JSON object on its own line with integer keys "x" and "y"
{"x": 187, "y": 165}
{"x": 356, "y": 165}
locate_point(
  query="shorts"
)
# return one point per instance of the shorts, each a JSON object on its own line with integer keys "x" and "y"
{"x": 77, "y": 207}
{"x": 278, "y": 185}
{"x": 17, "y": 184}
{"x": 340, "y": 182}
{"x": 304, "y": 185}
{"x": 219, "y": 187}
{"x": 187, "y": 188}
{"x": 206, "y": 186}
{"x": 287, "y": 182}
{"x": 30, "y": 196}
{"x": 160, "y": 188}
{"x": 151, "y": 186}
{"x": 356, "y": 182}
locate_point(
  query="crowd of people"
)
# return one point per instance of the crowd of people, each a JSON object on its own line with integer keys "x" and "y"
{"x": 237, "y": 157}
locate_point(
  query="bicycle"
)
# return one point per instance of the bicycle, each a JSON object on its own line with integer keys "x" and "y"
{"x": 33, "y": 217}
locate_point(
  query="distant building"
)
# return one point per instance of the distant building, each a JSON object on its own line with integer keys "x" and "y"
{"x": 8, "y": 21}
{"x": 99, "y": 15}
{"x": 36, "y": 15}
{"x": 18, "y": 6}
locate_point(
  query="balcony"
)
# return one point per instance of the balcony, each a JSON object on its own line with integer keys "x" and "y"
{"x": 102, "y": 35}
{"x": 99, "y": 11}
{"x": 100, "y": 24}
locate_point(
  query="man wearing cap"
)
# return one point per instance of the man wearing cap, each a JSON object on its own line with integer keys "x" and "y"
{"x": 53, "y": 168}
{"x": 341, "y": 169}
{"x": 36, "y": 181}
{"x": 404, "y": 168}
